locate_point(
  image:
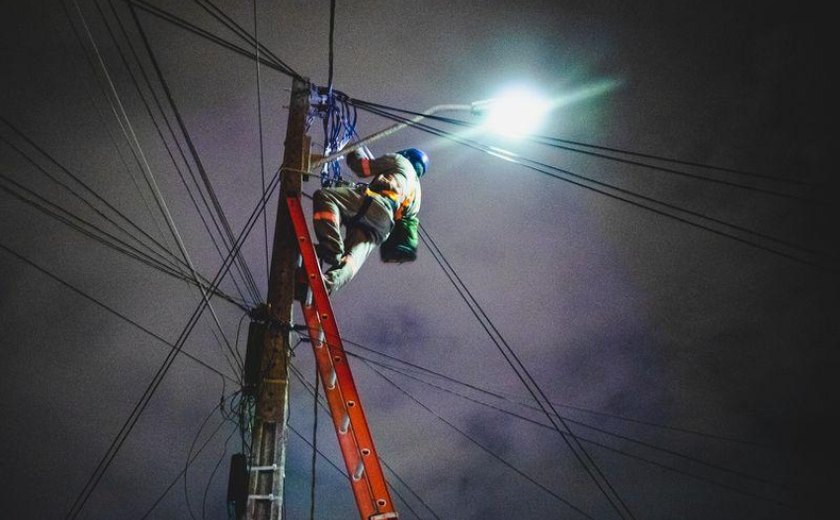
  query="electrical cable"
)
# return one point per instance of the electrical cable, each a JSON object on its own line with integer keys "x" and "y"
{"x": 129, "y": 424}
{"x": 415, "y": 368}
{"x": 111, "y": 310}
{"x": 89, "y": 229}
{"x": 592, "y": 442}
{"x": 179, "y": 475}
{"x": 241, "y": 264}
{"x": 626, "y": 438}
{"x": 78, "y": 195}
{"x": 114, "y": 243}
{"x": 226, "y": 20}
{"x": 482, "y": 447}
{"x": 157, "y": 127}
{"x": 418, "y": 368}
{"x": 680, "y": 173}
{"x": 399, "y": 495}
{"x": 773, "y": 500}
{"x": 183, "y": 24}
{"x": 311, "y": 389}
{"x": 213, "y": 474}
{"x": 553, "y": 171}
{"x": 89, "y": 90}
{"x": 147, "y": 171}
{"x": 260, "y": 130}
{"x": 219, "y": 212}
{"x": 331, "y": 46}
{"x": 189, "y": 457}
{"x": 530, "y": 384}
{"x": 150, "y": 112}
{"x": 547, "y": 140}
{"x": 114, "y": 101}
{"x": 118, "y": 101}
{"x": 313, "y": 482}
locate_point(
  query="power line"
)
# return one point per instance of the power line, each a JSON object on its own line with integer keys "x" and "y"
{"x": 542, "y": 139}
{"x": 189, "y": 460}
{"x": 239, "y": 267}
{"x": 312, "y": 389}
{"x": 183, "y": 471}
{"x": 331, "y": 46}
{"x": 110, "y": 309}
{"x": 213, "y": 474}
{"x": 180, "y": 22}
{"x": 707, "y": 480}
{"x": 87, "y": 188}
{"x": 570, "y": 434}
{"x": 129, "y": 424}
{"x": 490, "y": 452}
{"x": 415, "y": 368}
{"x": 597, "y": 187}
{"x": 260, "y": 130}
{"x": 314, "y": 444}
{"x": 148, "y": 171}
{"x": 107, "y": 240}
{"x": 525, "y": 377}
{"x": 171, "y": 263}
{"x": 690, "y": 458}
{"x": 228, "y": 233}
{"x": 481, "y": 446}
{"x": 226, "y": 20}
{"x": 150, "y": 176}
{"x": 104, "y": 121}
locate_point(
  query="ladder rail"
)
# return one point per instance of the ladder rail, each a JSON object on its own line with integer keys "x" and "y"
{"x": 350, "y": 449}
{"x": 355, "y": 440}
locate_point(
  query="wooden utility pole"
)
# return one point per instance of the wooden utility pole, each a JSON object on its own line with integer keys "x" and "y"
{"x": 268, "y": 444}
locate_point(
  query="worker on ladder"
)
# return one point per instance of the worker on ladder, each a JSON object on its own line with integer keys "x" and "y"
{"x": 385, "y": 211}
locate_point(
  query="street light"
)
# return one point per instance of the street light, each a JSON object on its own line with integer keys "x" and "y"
{"x": 513, "y": 114}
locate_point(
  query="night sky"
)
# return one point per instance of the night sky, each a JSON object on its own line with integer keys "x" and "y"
{"x": 684, "y": 328}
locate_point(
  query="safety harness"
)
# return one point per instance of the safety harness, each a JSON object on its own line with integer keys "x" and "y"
{"x": 392, "y": 199}
{"x": 401, "y": 244}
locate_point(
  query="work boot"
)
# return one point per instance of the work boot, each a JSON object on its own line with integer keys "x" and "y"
{"x": 337, "y": 277}
{"x": 326, "y": 256}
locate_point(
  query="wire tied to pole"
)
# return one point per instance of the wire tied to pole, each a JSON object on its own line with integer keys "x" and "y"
{"x": 339, "y": 121}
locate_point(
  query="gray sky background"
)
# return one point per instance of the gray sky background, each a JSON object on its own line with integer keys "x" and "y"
{"x": 698, "y": 370}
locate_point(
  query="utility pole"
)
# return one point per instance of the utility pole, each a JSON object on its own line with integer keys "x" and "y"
{"x": 269, "y": 434}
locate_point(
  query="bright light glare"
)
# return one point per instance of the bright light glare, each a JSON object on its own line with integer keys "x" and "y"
{"x": 515, "y": 113}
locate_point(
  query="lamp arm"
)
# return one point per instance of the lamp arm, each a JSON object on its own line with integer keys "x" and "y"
{"x": 388, "y": 131}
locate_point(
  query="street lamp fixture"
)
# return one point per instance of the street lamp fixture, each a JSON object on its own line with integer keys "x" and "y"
{"x": 513, "y": 114}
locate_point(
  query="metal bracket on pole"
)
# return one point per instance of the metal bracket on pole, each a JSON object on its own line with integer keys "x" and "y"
{"x": 273, "y": 467}
{"x": 263, "y": 497}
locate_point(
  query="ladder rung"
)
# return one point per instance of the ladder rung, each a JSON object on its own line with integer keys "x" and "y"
{"x": 360, "y": 470}
{"x": 331, "y": 380}
{"x": 345, "y": 424}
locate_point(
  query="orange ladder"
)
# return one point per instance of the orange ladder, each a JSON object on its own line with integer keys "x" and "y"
{"x": 351, "y": 427}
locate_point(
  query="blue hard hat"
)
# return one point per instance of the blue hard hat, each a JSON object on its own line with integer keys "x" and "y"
{"x": 418, "y": 159}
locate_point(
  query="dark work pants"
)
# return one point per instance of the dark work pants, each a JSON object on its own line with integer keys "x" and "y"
{"x": 332, "y": 207}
